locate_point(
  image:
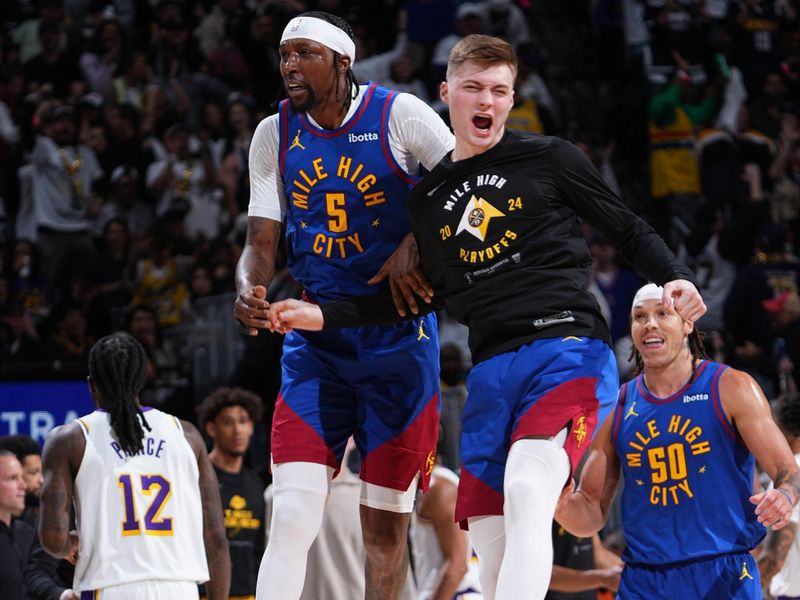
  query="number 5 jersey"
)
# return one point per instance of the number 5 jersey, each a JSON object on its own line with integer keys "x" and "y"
{"x": 139, "y": 517}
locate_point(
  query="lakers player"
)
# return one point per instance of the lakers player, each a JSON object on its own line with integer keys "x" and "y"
{"x": 147, "y": 508}
{"x": 687, "y": 455}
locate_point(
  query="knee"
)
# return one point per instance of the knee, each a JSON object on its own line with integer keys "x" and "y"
{"x": 521, "y": 493}
{"x": 297, "y": 516}
{"x": 384, "y": 532}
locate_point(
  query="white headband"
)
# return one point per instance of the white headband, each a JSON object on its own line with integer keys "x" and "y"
{"x": 320, "y": 31}
{"x": 651, "y": 291}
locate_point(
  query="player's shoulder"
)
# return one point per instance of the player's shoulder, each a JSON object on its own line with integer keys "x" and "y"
{"x": 267, "y": 127}
{"x": 732, "y": 378}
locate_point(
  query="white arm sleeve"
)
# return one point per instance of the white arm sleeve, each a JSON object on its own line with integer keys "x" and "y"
{"x": 417, "y": 134}
{"x": 267, "y": 197}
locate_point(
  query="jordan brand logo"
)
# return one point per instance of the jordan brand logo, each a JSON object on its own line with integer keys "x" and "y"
{"x": 296, "y": 142}
{"x": 744, "y": 572}
{"x": 580, "y": 430}
{"x": 422, "y": 333}
{"x": 631, "y": 412}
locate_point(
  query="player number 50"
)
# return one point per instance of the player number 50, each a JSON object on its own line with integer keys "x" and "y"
{"x": 153, "y": 523}
{"x": 667, "y": 463}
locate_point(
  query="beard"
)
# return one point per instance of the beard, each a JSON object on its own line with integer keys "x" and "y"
{"x": 306, "y": 105}
{"x": 31, "y": 499}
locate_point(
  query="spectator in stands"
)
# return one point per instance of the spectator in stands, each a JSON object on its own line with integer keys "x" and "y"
{"x": 132, "y": 84}
{"x": 227, "y": 417}
{"x": 107, "y": 57}
{"x": 53, "y": 71}
{"x": 124, "y": 204}
{"x": 235, "y": 173}
{"x": 165, "y": 374}
{"x": 109, "y": 270}
{"x": 15, "y": 535}
{"x": 29, "y": 455}
{"x": 69, "y": 342}
{"x": 184, "y": 180}
{"x": 125, "y": 146}
{"x": 65, "y": 176}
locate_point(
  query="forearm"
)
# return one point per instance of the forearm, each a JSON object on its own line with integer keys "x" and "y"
{"x": 376, "y": 309}
{"x": 788, "y": 479}
{"x": 582, "y": 517}
{"x": 219, "y": 564}
{"x": 565, "y": 579}
{"x": 255, "y": 267}
{"x": 450, "y": 575}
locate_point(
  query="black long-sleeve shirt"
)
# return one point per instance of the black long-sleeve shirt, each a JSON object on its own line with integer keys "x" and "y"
{"x": 499, "y": 241}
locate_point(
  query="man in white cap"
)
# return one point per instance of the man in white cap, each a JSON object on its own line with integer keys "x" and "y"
{"x": 686, "y": 433}
{"x": 336, "y": 164}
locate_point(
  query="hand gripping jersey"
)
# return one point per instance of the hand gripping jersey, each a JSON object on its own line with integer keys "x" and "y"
{"x": 688, "y": 474}
{"x": 139, "y": 518}
{"x": 345, "y": 196}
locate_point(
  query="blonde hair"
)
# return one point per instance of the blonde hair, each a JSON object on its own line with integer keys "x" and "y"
{"x": 484, "y": 50}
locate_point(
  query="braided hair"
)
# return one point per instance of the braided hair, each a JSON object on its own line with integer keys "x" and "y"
{"x": 118, "y": 371}
{"x": 350, "y": 78}
{"x": 696, "y": 349}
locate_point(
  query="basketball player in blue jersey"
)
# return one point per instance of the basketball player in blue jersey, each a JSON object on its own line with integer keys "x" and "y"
{"x": 686, "y": 434}
{"x": 147, "y": 508}
{"x": 336, "y": 164}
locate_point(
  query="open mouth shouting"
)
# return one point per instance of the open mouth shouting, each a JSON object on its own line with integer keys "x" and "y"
{"x": 482, "y": 123}
{"x": 653, "y": 342}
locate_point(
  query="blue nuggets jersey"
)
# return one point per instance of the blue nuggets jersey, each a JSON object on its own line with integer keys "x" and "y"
{"x": 345, "y": 195}
{"x": 688, "y": 474}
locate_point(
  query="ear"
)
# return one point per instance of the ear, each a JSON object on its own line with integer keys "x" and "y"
{"x": 443, "y": 91}
{"x": 688, "y": 327}
{"x": 344, "y": 63}
{"x": 211, "y": 430}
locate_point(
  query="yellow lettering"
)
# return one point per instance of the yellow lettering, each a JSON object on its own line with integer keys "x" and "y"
{"x": 480, "y": 255}
{"x": 366, "y": 183}
{"x": 504, "y": 241}
{"x": 473, "y": 256}
{"x": 318, "y": 169}
{"x": 300, "y": 200}
{"x": 654, "y": 494}
{"x": 490, "y": 253}
{"x": 634, "y": 445}
{"x": 301, "y": 186}
{"x": 319, "y": 240}
{"x": 642, "y": 439}
{"x": 344, "y": 166}
{"x": 356, "y": 172}
{"x": 694, "y": 433}
{"x": 510, "y": 234}
{"x": 672, "y": 491}
{"x": 462, "y": 253}
{"x": 674, "y": 423}
{"x": 684, "y": 485}
{"x": 651, "y": 427}
{"x": 341, "y": 242}
{"x": 374, "y": 198}
{"x": 685, "y": 425}
{"x": 309, "y": 181}
{"x": 634, "y": 459}
{"x": 356, "y": 241}
{"x": 329, "y": 248}
{"x": 701, "y": 448}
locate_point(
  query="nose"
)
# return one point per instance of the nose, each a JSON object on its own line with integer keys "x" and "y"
{"x": 485, "y": 97}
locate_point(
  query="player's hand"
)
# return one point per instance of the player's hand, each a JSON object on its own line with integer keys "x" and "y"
{"x": 69, "y": 595}
{"x": 406, "y": 281}
{"x": 74, "y": 546}
{"x": 287, "y": 315}
{"x": 251, "y": 310}
{"x": 774, "y": 508}
{"x": 563, "y": 499}
{"x": 609, "y": 578}
{"x": 684, "y": 297}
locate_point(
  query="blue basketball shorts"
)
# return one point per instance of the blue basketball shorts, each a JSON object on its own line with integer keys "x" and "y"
{"x": 729, "y": 576}
{"x": 379, "y": 384}
{"x": 536, "y": 390}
